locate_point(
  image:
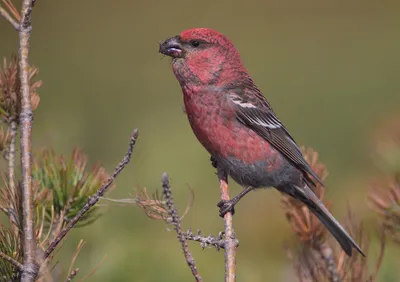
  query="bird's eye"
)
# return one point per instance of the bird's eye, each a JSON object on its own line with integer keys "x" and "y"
{"x": 195, "y": 43}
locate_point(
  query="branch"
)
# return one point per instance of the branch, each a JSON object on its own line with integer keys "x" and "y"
{"x": 4, "y": 209}
{"x": 10, "y": 19}
{"x": 176, "y": 221}
{"x": 12, "y": 128}
{"x": 73, "y": 272}
{"x": 72, "y": 275}
{"x": 378, "y": 263}
{"x": 30, "y": 269}
{"x": 230, "y": 240}
{"x": 14, "y": 262}
{"x": 327, "y": 256}
{"x": 205, "y": 241}
{"x": 95, "y": 198}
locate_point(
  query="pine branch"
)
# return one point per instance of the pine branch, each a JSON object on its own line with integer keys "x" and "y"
{"x": 230, "y": 240}
{"x": 95, "y": 198}
{"x": 12, "y": 128}
{"x": 205, "y": 241}
{"x": 14, "y": 262}
{"x": 330, "y": 263}
{"x": 30, "y": 268}
{"x": 10, "y": 19}
{"x": 176, "y": 222}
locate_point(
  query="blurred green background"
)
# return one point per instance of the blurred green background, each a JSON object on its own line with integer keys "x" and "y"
{"x": 329, "y": 68}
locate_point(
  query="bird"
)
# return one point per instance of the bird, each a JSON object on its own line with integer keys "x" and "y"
{"x": 236, "y": 124}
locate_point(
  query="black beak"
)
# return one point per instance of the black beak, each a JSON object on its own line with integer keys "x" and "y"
{"x": 172, "y": 47}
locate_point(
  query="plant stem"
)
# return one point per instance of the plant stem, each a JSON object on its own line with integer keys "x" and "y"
{"x": 14, "y": 262}
{"x": 327, "y": 255}
{"x": 12, "y": 128}
{"x": 176, "y": 222}
{"x": 8, "y": 17}
{"x": 230, "y": 240}
{"x": 94, "y": 198}
{"x": 30, "y": 268}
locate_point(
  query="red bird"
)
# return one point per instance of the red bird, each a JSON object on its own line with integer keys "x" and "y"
{"x": 236, "y": 124}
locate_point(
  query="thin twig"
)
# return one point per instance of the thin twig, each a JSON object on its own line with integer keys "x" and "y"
{"x": 230, "y": 245}
{"x": 4, "y": 210}
{"x": 58, "y": 224}
{"x": 12, "y": 129}
{"x": 94, "y": 269}
{"x": 8, "y": 17}
{"x": 14, "y": 262}
{"x": 26, "y": 117}
{"x": 176, "y": 221}
{"x": 205, "y": 241}
{"x": 94, "y": 198}
{"x": 379, "y": 261}
{"x": 46, "y": 238}
{"x": 72, "y": 275}
{"x": 10, "y": 6}
{"x": 329, "y": 259}
{"x": 74, "y": 257}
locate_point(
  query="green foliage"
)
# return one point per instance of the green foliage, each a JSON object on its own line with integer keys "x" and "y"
{"x": 10, "y": 246}
{"x": 69, "y": 184}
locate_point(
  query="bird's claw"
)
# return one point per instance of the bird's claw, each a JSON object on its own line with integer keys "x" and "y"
{"x": 214, "y": 162}
{"x": 225, "y": 207}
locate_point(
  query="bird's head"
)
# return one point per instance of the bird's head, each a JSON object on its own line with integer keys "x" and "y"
{"x": 202, "y": 55}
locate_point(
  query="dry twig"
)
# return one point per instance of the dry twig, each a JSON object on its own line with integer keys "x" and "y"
{"x": 72, "y": 275}
{"x": 95, "y": 198}
{"x": 14, "y": 262}
{"x": 205, "y": 241}
{"x": 10, "y": 6}
{"x": 9, "y": 18}
{"x": 330, "y": 263}
{"x": 230, "y": 239}
{"x": 72, "y": 272}
{"x": 176, "y": 221}
{"x": 30, "y": 269}
{"x": 11, "y": 170}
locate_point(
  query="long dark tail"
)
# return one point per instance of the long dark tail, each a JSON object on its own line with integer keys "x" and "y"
{"x": 308, "y": 197}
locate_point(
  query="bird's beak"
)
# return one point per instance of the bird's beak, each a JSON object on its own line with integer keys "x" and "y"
{"x": 172, "y": 47}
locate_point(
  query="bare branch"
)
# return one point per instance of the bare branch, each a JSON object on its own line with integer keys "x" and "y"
{"x": 72, "y": 275}
{"x": 205, "y": 241}
{"x": 74, "y": 257}
{"x": 95, "y": 198}
{"x": 4, "y": 210}
{"x": 14, "y": 262}
{"x": 30, "y": 269}
{"x": 10, "y": 6}
{"x": 12, "y": 129}
{"x": 10, "y": 19}
{"x": 230, "y": 240}
{"x": 329, "y": 259}
{"x": 176, "y": 221}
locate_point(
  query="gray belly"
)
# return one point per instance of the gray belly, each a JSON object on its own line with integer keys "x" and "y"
{"x": 256, "y": 175}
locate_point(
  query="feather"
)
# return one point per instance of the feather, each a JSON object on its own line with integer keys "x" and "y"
{"x": 257, "y": 114}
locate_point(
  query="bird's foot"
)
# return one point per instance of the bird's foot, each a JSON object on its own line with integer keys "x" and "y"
{"x": 214, "y": 162}
{"x": 225, "y": 207}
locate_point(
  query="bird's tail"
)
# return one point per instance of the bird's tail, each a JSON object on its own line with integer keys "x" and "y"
{"x": 308, "y": 197}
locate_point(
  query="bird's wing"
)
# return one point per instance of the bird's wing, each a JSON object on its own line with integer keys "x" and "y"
{"x": 255, "y": 112}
